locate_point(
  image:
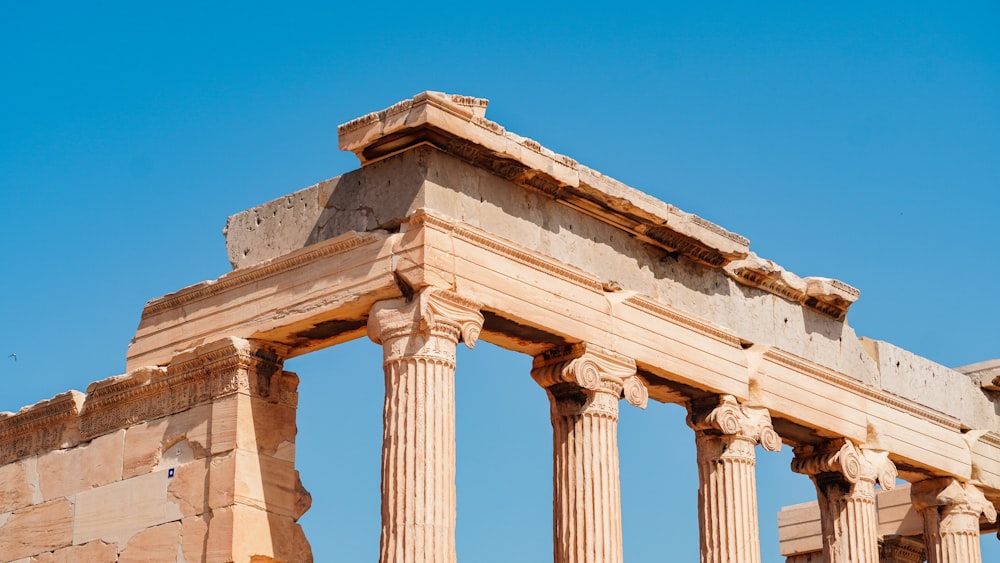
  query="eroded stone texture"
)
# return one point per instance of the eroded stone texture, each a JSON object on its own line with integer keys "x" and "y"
{"x": 19, "y": 485}
{"x": 37, "y": 529}
{"x": 951, "y": 512}
{"x": 584, "y": 385}
{"x": 726, "y": 435}
{"x": 418, "y": 340}
{"x": 95, "y": 551}
{"x": 159, "y": 543}
{"x": 61, "y": 473}
{"x": 845, "y": 479}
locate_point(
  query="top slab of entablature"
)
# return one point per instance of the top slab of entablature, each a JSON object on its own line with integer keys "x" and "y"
{"x": 457, "y": 126}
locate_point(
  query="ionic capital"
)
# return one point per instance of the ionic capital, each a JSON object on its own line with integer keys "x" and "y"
{"x": 844, "y": 458}
{"x": 590, "y": 368}
{"x": 951, "y": 495}
{"x": 726, "y": 416}
{"x": 430, "y": 313}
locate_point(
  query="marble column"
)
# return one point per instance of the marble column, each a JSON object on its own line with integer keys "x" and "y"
{"x": 901, "y": 549}
{"x": 845, "y": 480}
{"x": 418, "y": 338}
{"x": 726, "y": 435}
{"x": 951, "y": 512}
{"x": 584, "y": 384}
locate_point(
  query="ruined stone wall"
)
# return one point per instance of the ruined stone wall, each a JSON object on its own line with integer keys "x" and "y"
{"x": 189, "y": 462}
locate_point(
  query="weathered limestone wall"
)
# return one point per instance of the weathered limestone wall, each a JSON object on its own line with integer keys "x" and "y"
{"x": 190, "y": 462}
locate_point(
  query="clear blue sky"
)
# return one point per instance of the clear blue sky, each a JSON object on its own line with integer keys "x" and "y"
{"x": 846, "y": 140}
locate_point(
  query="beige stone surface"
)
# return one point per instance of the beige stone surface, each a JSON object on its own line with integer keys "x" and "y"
{"x": 66, "y": 472}
{"x": 147, "y": 444}
{"x": 194, "y": 538}
{"x": 19, "y": 485}
{"x": 95, "y": 551}
{"x": 114, "y": 513}
{"x": 941, "y": 388}
{"x": 37, "y": 529}
{"x": 159, "y": 543}
{"x": 241, "y": 533}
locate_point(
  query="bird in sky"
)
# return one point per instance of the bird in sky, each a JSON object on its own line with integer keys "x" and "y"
{"x": 13, "y": 355}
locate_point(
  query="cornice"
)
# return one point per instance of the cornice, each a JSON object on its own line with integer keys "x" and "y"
{"x": 41, "y": 427}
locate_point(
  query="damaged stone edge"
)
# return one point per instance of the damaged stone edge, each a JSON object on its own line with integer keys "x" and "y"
{"x": 195, "y": 377}
{"x": 344, "y": 243}
{"x": 457, "y": 125}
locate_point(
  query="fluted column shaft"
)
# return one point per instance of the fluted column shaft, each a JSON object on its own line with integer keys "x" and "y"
{"x": 726, "y": 437}
{"x": 584, "y": 385}
{"x": 951, "y": 512}
{"x": 845, "y": 480}
{"x": 418, "y": 339}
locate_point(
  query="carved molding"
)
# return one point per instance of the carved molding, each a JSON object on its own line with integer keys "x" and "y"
{"x": 726, "y": 416}
{"x": 42, "y": 427}
{"x": 590, "y": 368}
{"x": 844, "y": 458}
{"x": 207, "y": 373}
{"x": 901, "y": 549}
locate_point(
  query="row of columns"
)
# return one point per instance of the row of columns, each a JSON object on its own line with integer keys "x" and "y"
{"x": 584, "y": 383}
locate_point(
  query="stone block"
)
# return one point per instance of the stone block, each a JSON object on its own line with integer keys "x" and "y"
{"x": 95, "y": 551}
{"x": 159, "y": 543}
{"x": 66, "y": 472}
{"x": 146, "y": 443}
{"x": 908, "y": 375}
{"x": 256, "y": 533}
{"x": 115, "y": 512}
{"x": 37, "y": 529}
{"x": 266, "y": 483}
{"x": 194, "y": 536}
{"x": 266, "y": 427}
{"x": 189, "y": 488}
{"x": 19, "y": 485}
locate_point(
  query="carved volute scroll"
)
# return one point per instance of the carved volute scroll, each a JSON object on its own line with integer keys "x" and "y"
{"x": 951, "y": 511}
{"x": 845, "y": 479}
{"x": 568, "y": 371}
{"x": 725, "y": 416}
{"x": 434, "y": 314}
{"x": 842, "y": 458}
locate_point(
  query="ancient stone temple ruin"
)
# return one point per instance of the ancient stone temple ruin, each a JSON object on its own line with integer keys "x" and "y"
{"x": 454, "y": 230}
